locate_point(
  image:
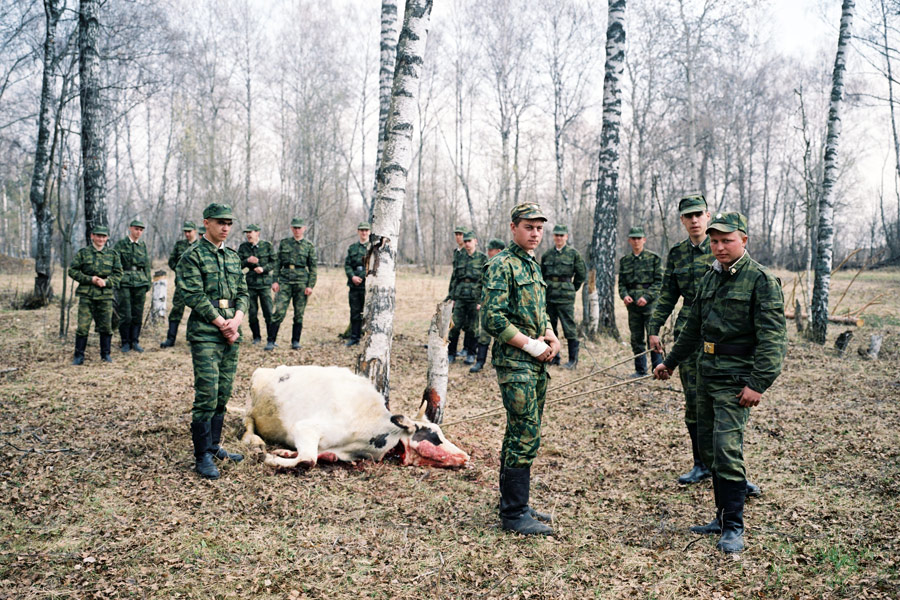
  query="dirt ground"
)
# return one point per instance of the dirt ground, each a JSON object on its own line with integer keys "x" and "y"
{"x": 98, "y": 498}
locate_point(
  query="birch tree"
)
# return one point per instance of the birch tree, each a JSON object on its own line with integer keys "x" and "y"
{"x": 825, "y": 231}
{"x": 374, "y": 360}
{"x": 603, "y": 241}
{"x": 93, "y": 140}
{"x": 385, "y": 81}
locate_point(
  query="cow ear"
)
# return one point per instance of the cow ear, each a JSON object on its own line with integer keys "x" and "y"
{"x": 403, "y": 422}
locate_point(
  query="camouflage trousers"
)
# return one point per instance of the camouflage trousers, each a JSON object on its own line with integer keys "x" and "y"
{"x": 99, "y": 310}
{"x": 214, "y": 366}
{"x": 286, "y": 293}
{"x": 465, "y": 318}
{"x": 638, "y": 320}
{"x": 523, "y": 392}
{"x": 259, "y": 298}
{"x": 130, "y": 301}
{"x": 357, "y": 297}
{"x": 720, "y": 425}
{"x": 178, "y": 306}
{"x": 565, "y": 313}
{"x": 687, "y": 372}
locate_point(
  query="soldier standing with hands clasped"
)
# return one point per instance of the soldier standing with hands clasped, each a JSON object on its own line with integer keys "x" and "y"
{"x": 257, "y": 257}
{"x": 295, "y": 278}
{"x": 737, "y": 322}
{"x": 514, "y": 313}
{"x": 640, "y": 277}
{"x": 564, "y": 271}
{"x": 181, "y": 246}
{"x": 133, "y": 288}
{"x": 213, "y": 286}
{"x": 355, "y": 268}
{"x": 466, "y": 279}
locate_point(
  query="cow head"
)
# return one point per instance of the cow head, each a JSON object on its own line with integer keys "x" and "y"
{"x": 423, "y": 444}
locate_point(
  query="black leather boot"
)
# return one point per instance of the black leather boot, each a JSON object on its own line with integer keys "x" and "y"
{"x": 171, "y": 334}
{"x": 714, "y": 527}
{"x": 355, "y": 334}
{"x": 471, "y": 350}
{"x": 451, "y": 346}
{"x": 515, "y": 514}
{"x": 482, "y": 358}
{"x": 296, "y": 330}
{"x": 135, "y": 335}
{"x": 106, "y": 347}
{"x": 271, "y": 336}
{"x": 753, "y": 490}
{"x": 215, "y": 437}
{"x": 254, "y": 330}
{"x": 640, "y": 366}
{"x": 699, "y": 472}
{"x": 573, "y": 354}
{"x": 125, "y": 335}
{"x": 80, "y": 345}
{"x": 203, "y": 460}
{"x": 732, "y": 494}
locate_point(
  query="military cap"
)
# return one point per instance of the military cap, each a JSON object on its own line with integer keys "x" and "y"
{"x": 691, "y": 203}
{"x": 528, "y": 211}
{"x": 364, "y": 225}
{"x": 201, "y": 230}
{"x": 217, "y": 210}
{"x": 496, "y": 244}
{"x": 251, "y": 227}
{"x": 728, "y": 222}
{"x": 188, "y": 226}
{"x": 468, "y": 235}
{"x": 137, "y": 223}
{"x": 298, "y": 222}
{"x": 636, "y": 232}
{"x": 560, "y": 230}
{"x": 459, "y": 229}
{"x": 100, "y": 230}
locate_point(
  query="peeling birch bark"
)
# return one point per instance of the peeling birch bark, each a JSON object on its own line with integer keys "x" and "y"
{"x": 434, "y": 398}
{"x": 158, "y": 297}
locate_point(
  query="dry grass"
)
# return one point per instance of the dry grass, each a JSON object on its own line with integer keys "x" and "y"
{"x": 98, "y": 500}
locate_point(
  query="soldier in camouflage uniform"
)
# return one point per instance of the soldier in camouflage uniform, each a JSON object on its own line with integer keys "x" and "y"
{"x": 640, "y": 277}
{"x": 355, "y": 268}
{"x": 564, "y": 271}
{"x": 214, "y": 288}
{"x": 97, "y": 270}
{"x": 181, "y": 246}
{"x": 466, "y": 285}
{"x": 737, "y": 323}
{"x": 132, "y": 291}
{"x": 258, "y": 257}
{"x": 295, "y": 278}
{"x": 514, "y": 313}
{"x": 494, "y": 248}
{"x": 459, "y": 233}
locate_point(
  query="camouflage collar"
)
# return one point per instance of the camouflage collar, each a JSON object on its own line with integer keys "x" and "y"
{"x": 219, "y": 247}
{"x": 521, "y": 252}
{"x": 734, "y": 268}
{"x": 704, "y": 245}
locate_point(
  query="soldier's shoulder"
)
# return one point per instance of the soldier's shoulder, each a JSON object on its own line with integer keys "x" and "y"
{"x": 572, "y": 250}
{"x": 652, "y": 254}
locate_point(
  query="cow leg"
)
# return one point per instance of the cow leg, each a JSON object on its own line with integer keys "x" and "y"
{"x": 251, "y": 440}
{"x": 306, "y": 441}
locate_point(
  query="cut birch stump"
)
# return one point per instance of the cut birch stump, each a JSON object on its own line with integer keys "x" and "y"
{"x": 843, "y": 320}
{"x": 798, "y": 310}
{"x": 843, "y": 341}
{"x": 871, "y": 353}
{"x": 158, "y": 297}
{"x": 434, "y": 398}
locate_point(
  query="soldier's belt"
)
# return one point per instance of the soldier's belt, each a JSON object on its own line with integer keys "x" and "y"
{"x": 134, "y": 268}
{"x": 225, "y": 303}
{"x": 728, "y": 349}
{"x": 566, "y": 279}
{"x": 292, "y": 267}
{"x": 646, "y": 286}
{"x": 468, "y": 280}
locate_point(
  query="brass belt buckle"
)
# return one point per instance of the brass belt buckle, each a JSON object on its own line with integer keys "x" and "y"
{"x": 223, "y": 303}
{"x": 290, "y": 266}
{"x": 709, "y": 347}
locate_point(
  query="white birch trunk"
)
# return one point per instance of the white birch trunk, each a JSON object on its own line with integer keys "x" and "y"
{"x": 374, "y": 360}
{"x": 825, "y": 234}
{"x": 389, "y": 35}
{"x": 434, "y": 398}
{"x": 93, "y": 142}
{"x": 158, "y": 297}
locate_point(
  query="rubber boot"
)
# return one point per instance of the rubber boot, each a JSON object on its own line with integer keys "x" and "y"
{"x": 106, "y": 347}
{"x": 135, "y": 335}
{"x": 80, "y": 345}
{"x": 482, "y": 358}
{"x": 203, "y": 460}
{"x": 732, "y": 494}
{"x": 573, "y": 354}
{"x": 714, "y": 527}
{"x": 125, "y": 335}
{"x": 254, "y": 330}
{"x": 655, "y": 359}
{"x": 640, "y": 366}
{"x": 271, "y": 336}
{"x": 355, "y": 334}
{"x": 699, "y": 472}
{"x": 451, "y": 346}
{"x": 215, "y": 437}
{"x": 170, "y": 335}
{"x": 753, "y": 490}
{"x": 296, "y": 330}
{"x": 515, "y": 514}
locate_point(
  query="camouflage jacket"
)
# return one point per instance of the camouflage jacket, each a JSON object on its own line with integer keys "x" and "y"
{"x": 135, "y": 262}
{"x": 355, "y": 263}
{"x": 640, "y": 276}
{"x": 103, "y": 263}
{"x": 180, "y": 248}
{"x": 685, "y": 266}
{"x": 264, "y": 251}
{"x": 744, "y": 306}
{"x": 513, "y": 300}
{"x": 465, "y": 282}
{"x": 457, "y": 256}
{"x": 212, "y": 284}
{"x": 564, "y": 272}
{"x": 295, "y": 262}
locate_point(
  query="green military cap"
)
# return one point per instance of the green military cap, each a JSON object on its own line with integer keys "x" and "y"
{"x": 560, "y": 230}
{"x": 188, "y": 226}
{"x": 217, "y": 210}
{"x": 691, "y": 203}
{"x": 298, "y": 222}
{"x": 459, "y": 229}
{"x": 728, "y": 222}
{"x": 496, "y": 244}
{"x": 251, "y": 227}
{"x": 100, "y": 230}
{"x": 137, "y": 223}
{"x": 364, "y": 225}
{"x": 201, "y": 230}
{"x": 468, "y": 235}
{"x": 636, "y": 232}
{"x": 528, "y": 211}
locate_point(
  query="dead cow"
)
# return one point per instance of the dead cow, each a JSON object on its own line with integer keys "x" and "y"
{"x": 330, "y": 414}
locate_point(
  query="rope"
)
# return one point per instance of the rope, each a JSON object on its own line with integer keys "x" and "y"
{"x": 592, "y": 373}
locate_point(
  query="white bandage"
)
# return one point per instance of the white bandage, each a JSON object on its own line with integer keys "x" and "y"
{"x": 535, "y": 347}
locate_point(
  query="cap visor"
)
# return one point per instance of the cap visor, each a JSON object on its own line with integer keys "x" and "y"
{"x": 723, "y": 227}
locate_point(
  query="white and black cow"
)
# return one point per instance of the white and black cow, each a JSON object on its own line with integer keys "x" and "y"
{"x": 330, "y": 414}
